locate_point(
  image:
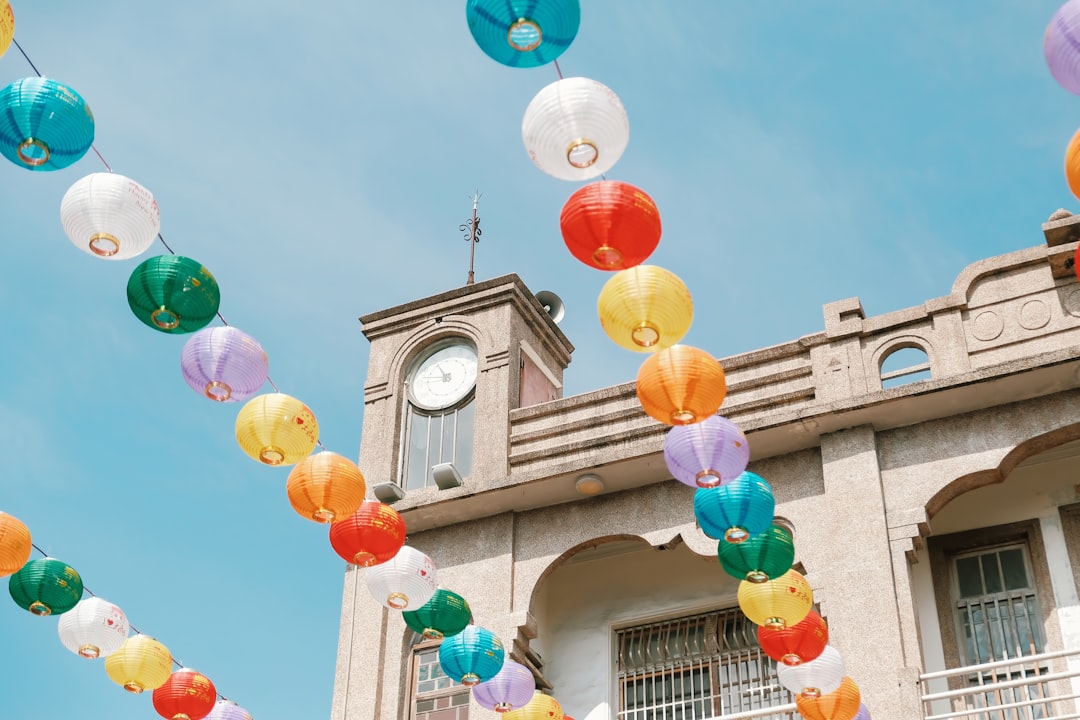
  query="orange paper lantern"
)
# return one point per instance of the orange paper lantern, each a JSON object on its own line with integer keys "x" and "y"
{"x": 326, "y": 486}
{"x": 186, "y": 695}
{"x": 1072, "y": 164}
{"x": 15, "y": 544}
{"x": 610, "y": 225}
{"x": 681, "y": 385}
{"x": 841, "y": 704}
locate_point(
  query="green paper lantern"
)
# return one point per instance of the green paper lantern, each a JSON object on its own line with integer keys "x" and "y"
{"x": 173, "y": 294}
{"x": 762, "y": 557}
{"x": 46, "y": 586}
{"x": 444, "y": 615}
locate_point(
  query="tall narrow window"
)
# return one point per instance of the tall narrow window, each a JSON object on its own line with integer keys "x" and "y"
{"x": 694, "y": 668}
{"x": 436, "y": 696}
{"x": 439, "y": 412}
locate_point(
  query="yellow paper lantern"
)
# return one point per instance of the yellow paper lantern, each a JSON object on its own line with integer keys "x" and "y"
{"x": 541, "y": 707}
{"x": 1072, "y": 164}
{"x": 141, "y": 663}
{"x": 841, "y": 704}
{"x": 15, "y": 544}
{"x": 777, "y": 603}
{"x": 276, "y": 429}
{"x": 645, "y": 308}
{"x": 7, "y": 26}
{"x": 326, "y": 487}
{"x": 681, "y": 385}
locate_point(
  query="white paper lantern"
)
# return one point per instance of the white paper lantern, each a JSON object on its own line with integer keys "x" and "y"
{"x": 93, "y": 628}
{"x": 110, "y": 216}
{"x": 575, "y": 129}
{"x": 404, "y": 582}
{"x": 815, "y": 678}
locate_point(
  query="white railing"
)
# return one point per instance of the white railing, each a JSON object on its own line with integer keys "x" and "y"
{"x": 1032, "y": 687}
{"x": 787, "y": 712}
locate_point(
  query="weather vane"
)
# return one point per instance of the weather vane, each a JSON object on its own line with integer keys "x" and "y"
{"x": 472, "y": 234}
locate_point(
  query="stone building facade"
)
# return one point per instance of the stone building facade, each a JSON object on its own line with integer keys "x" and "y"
{"x": 935, "y": 505}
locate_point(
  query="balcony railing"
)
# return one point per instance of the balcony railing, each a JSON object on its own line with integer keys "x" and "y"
{"x": 780, "y": 712}
{"x": 1031, "y": 687}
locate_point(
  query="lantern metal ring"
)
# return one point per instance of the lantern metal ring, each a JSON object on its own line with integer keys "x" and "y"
{"x": 34, "y": 160}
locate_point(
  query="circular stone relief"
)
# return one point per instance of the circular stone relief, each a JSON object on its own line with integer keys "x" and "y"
{"x": 1034, "y": 314}
{"x": 987, "y": 325}
{"x": 1072, "y": 303}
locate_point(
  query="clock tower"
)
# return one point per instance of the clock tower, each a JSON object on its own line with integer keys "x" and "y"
{"x": 444, "y": 373}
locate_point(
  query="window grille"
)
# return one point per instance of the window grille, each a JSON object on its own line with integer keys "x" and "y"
{"x": 436, "y": 696}
{"x": 694, "y": 668}
{"x": 997, "y": 611}
{"x": 435, "y": 438}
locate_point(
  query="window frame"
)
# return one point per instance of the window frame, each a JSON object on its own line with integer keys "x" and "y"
{"x": 414, "y": 696}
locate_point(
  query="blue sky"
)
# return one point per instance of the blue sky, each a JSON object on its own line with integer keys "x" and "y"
{"x": 318, "y": 159}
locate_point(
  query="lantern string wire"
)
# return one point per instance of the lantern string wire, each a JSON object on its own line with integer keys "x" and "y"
{"x": 134, "y": 629}
{"x": 558, "y": 69}
{"x": 159, "y": 235}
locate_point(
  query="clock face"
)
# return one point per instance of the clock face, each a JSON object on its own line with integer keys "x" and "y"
{"x": 444, "y": 377}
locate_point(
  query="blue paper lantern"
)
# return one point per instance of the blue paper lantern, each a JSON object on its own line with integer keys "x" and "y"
{"x": 472, "y": 656}
{"x": 737, "y": 511}
{"x": 44, "y": 125}
{"x": 523, "y": 33}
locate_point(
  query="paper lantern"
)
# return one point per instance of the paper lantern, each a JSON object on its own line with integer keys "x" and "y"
{"x": 707, "y": 453}
{"x": 110, "y": 216}
{"x": 1061, "y": 46}
{"x": 796, "y": 644}
{"x": 141, "y": 663}
{"x": 444, "y": 615}
{"x": 93, "y": 628}
{"x": 15, "y": 544}
{"x": 523, "y": 33}
{"x": 736, "y": 511}
{"x": 326, "y": 486}
{"x": 760, "y": 557}
{"x": 610, "y": 225}
{"x": 780, "y": 602}
{"x": 844, "y": 703}
{"x": 228, "y": 710}
{"x": 575, "y": 129}
{"x": 371, "y": 535}
{"x": 541, "y": 707}
{"x": 46, "y": 586}
{"x": 512, "y": 687}
{"x": 645, "y": 308}
{"x": 44, "y": 125}
{"x": 472, "y": 656}
{"x": 816, "y": 677}
{"x": 7, "y": 26}
{"x": 407, "y": 580}
{"x": 276, "y": 429}
{"x": 173, "y": 294}
{"x": 186, "y": 695}
{"x": 680, "y": 385}
{"x": 224, "y": 364}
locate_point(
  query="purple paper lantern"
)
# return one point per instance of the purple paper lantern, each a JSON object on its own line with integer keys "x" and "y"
{"x": 1061, "y": 46}
{"x": 863, "y": 713}
{"x": 706, "y": 454}
{"x": 224, "y": 364}
{"x": 510, "y": 689}
{"x": 228, "y": 710}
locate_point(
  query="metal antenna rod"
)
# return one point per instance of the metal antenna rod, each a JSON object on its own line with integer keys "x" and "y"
{"x": 472, "y": 235}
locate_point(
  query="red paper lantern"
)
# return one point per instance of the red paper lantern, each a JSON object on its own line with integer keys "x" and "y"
{"x": 186, "y": 695}
{"x": 372, "y": 535}
{"x": 802, "y": 642}
{"x": 610, "y": 225}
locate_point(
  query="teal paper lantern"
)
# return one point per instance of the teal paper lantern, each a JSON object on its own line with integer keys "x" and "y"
{"x": 472, "y": 656}
{"x": 173, "y": 294}
{"x": 523, "y": 33}
{"x": 44, "y": 125}
{"x": 46, "y": 586}
{"x": 444, "y": 615}
{"x": 737, "y": 511}
{"x": 761, "y": 557}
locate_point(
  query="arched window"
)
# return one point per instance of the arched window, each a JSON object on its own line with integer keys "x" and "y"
{"x": 904, "y": 365}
